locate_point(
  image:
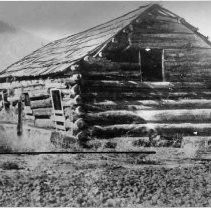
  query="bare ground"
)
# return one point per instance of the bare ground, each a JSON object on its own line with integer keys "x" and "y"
{"x": 102, "y": 180}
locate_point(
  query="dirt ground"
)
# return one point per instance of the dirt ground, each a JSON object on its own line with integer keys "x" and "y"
{"x": 102, "y": 180}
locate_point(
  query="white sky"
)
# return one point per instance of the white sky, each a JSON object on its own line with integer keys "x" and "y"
{"x": 54, "y": 20}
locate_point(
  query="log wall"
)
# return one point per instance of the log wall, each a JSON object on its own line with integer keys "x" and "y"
{"x": 116, "y": 108}
{"x": 40, "y": 111}
{"x": 117, "y": 104}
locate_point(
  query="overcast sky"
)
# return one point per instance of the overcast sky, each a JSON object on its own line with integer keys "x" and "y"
{"x": 54, "y": 20}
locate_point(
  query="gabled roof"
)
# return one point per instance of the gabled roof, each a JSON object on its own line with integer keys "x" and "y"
{"x": 57, "y": 56}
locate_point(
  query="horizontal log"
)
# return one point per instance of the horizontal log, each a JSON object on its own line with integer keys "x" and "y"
{"x": 68, "y": 102}
{"x": 162, "y": 43}
{"x": 177, "y": 41}
{"x": 58, "y": 118}
{"x": 39, "y": 93}
{"x": 33, "y": 88}
{"x": 148, "y": 116}
{"x": 14, "y": 98}
{"x": 117, "y": 76}
{"x": 33, "y": 83}
{"x": 148, "y": 105}
{"x": 42, "y": 112}
{"x": 44, "y": 123}
{"x": 146, "y": 85}
{"x": 113, "y": 117}
{"x": 168, "y": 19}
{"x": 176, "y": 116}
{"x": 45, "y": 103}
{"x": 114, "y": 73}
{"x": 56, "y": 85}
{"x": 96, "y": 64}
{"x": 189, "y": 66}
{"x": 21, "y": 84}
{"x": 193, "y": 54}
{"x": 29, "y": 117}
{"x": 187, "y": 77}
{"x": 168, "y": 36}
{"x": 136, "y": 130}
{"x": 141, "y": 95}
{"x": 160, "y": 27}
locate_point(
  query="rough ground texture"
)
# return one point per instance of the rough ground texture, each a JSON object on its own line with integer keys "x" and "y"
{"x": 108, "y": 180}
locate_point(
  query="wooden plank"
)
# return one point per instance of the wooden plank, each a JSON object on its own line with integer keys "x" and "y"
{"x": 44, "y": 123}
{"x": 42, "y": 112}
{"x": 13, "y": 98}
{"x": 29, "y": 117}
{"x": 58, "y": 112}
{"x": 58, "y": 118}
{"x": 44, "y": 103}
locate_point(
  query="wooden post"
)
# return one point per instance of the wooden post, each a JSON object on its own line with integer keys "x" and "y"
{"x": 20, "y": 123}
{"x": 163, "y": 65}
{"x": 139, "y": 61}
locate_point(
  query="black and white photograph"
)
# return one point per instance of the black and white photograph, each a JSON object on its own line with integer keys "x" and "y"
{"x": 105, "y": 104}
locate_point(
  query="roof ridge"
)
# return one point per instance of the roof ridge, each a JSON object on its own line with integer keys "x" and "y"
{"x": 147, "y": 5}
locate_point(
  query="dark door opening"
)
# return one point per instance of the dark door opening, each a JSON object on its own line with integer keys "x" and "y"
{"x": 151, "y": 65}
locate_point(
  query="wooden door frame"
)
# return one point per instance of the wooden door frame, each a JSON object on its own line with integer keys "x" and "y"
{"x": 162, "y": 63}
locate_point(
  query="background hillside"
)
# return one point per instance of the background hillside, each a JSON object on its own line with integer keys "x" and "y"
{"x": 16, "y": 43}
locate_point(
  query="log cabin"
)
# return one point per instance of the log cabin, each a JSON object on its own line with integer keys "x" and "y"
{"x": 144, "y": 74}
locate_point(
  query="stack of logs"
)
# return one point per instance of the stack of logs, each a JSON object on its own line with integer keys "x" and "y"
{"x": 117, "y": 104}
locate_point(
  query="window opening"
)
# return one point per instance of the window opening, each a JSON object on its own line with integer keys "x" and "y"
{"x": 26, "y": 99}
{"x": 58, "y": 112}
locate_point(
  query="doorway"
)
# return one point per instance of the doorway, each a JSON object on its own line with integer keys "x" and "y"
{"x": 151, "y": 65}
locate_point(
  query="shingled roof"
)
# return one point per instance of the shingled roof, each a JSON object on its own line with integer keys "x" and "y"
{"x": 57, "y": 56}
